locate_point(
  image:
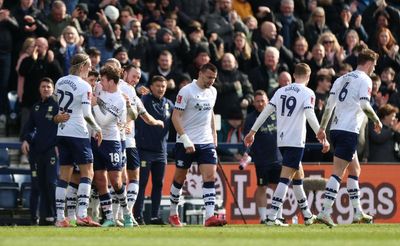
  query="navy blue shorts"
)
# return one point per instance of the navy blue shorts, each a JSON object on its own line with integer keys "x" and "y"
{"x": 292, "y": 156}
{"x": 107, "y": 156}
{"x": 132, "y": 159}
{"x": 204, "y": 154}
{"x": 267, "y": 175}
{"x": 74, "y": 150}
{"x": 344, "y": 144}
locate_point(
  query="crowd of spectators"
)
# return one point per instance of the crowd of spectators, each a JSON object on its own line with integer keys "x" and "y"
{"x": 255, "y": 44}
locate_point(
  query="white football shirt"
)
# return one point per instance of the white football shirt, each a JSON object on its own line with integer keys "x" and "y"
{"x": 112, "y": 106}
{"x": 197, "y": 105}
{"x": 129, "y": 90}
{"x": 290, "y": 103}
{"x": 72, "y": 91}
{"x": 348, "y": 91}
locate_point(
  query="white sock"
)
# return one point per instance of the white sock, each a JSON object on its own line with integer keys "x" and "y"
{"x": 105, "y": 203}
{"x": 115, "y": 202}
{"x": 121, "y": 195}
{"x": 71, "y": 198}
{"x": 301, "y": 198}
{"x": 175, "y": 193}
{"x": 353, "y": 188}
{"x": 279, "y": 214}
{"x": 83, "y": 196}
{"x": 262, "y": 211}
{"x": 95, "y": 203}
{"x": 209, "y": 198}
{"x": 132, "y": 193}
{"x": 331, "y": 190}
{"x": 278, "y": 198}
{"x": 61, "y": 191}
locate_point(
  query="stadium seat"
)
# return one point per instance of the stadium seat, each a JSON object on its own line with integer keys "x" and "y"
{"x": 12, "y": 124}
{"x": 21, "y": 178}
{"x": 25, "y": 194}
{"x": 8, "y": 195}
{"x": 6, "y": 178}
{"x": 4, "y": 157}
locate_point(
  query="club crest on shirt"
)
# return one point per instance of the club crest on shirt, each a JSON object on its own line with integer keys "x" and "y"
{"x": 179, "y": 99}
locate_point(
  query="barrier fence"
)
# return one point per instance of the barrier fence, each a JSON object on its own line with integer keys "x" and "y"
{"x": 379, "y": 184}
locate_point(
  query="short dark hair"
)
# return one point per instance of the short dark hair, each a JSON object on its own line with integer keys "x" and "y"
{"x": 92, "y": 51}
{"x": 367, "y": 55}
{"x": 260, "y": 93}
{"x": 386, "y": 110}
{"x": 157, "y": 78}
{"x": 111, "y": 73}
{"x": 375, "y": 77}
{"x": 46, "y": 80}
{"x": 209, "y": 66}
{"x": 93, "y": 73}
{"x": 130, "y": 66}
{"x": 165, "y": 53}
{"x": 128, "y": 9}
{"x": 322, "y": 77}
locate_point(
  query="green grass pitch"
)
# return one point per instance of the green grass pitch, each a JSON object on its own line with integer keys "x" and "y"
{"x": 232, "y": 235}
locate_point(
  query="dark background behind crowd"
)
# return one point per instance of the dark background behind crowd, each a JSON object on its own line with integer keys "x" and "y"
{"x": 254, "y": 43}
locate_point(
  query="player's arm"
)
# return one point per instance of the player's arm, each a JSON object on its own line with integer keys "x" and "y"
{"x": 150, "y": 120}
{"x": 146, "y": 117}
{"x": 369, "y": 111}
{"x": 132, "y": 113}
{"x": 214, "y": 130}
{"x": 330, "y": 106}
{"x": 61, "y": 117}
{"x": 105, "y": 118}
{"x": 177, "y": 121}
{"x": 313, "y": 122}
{"x": 267, "y": 111}
{"x": 131, "y": 109}
{"x": 88, "y": 116}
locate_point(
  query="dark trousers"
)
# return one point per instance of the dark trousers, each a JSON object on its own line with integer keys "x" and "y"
{"x": 47, "y": 172}
{"x": 157, "y": 170}
{"x": 5, "y": 68}
{"x": 34, "y": 197}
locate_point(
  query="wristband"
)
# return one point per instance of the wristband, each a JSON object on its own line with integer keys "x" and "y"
{"x": 186, "y": 141}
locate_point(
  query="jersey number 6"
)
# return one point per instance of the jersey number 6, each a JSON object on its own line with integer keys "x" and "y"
{"x": 343, "y": 92}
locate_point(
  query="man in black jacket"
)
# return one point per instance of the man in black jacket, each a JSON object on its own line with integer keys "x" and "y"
{"x": 39, "y": 140}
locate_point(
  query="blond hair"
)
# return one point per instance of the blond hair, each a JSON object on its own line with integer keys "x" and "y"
{"x": 78, "y": 61}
